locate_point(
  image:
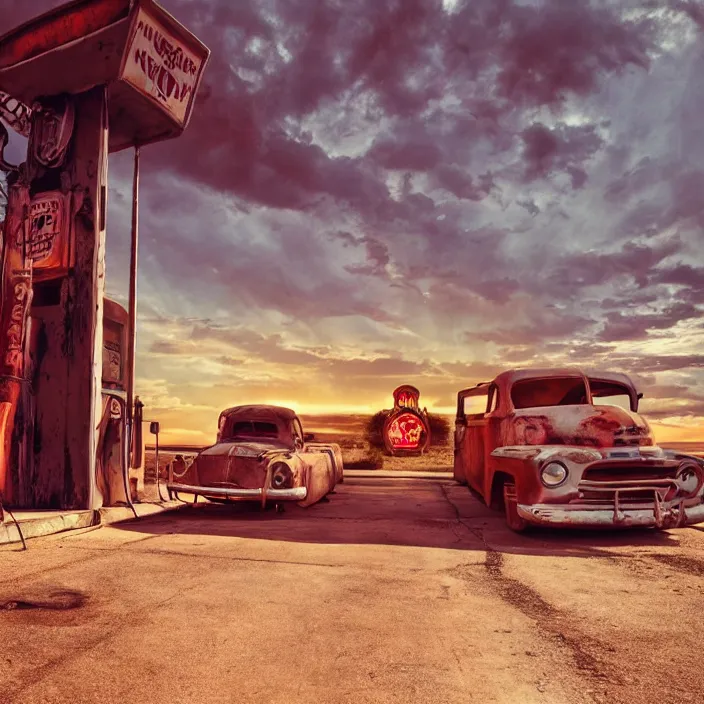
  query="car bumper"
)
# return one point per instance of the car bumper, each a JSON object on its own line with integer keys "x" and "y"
{"x": 659, "y": 516}
{"x": 297, "y": 493}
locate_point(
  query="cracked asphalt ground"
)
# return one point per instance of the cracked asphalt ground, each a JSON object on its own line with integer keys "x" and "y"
{"x": 393, "y": 591}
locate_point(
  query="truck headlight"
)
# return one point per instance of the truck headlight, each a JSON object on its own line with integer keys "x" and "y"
{"x": 553, "y": 474}
{"x": 690, "y": 478}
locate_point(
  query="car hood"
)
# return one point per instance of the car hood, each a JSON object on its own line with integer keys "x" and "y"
{"x": 234, "y": 464}
{"x": 244, "y": 448}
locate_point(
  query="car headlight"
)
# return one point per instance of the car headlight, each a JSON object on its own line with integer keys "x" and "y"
{"x": 281, "y": 476}
{"x": 553, "y": 474}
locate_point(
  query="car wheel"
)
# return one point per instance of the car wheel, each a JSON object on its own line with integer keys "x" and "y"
{"x": 514, "y": 521}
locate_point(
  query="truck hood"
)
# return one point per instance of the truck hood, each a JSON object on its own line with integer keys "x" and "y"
{"x": 589, "y": 426}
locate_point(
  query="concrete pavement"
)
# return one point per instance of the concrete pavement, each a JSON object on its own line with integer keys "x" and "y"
{"x": 37, "y": 524}
{"x": 394, "y": 591}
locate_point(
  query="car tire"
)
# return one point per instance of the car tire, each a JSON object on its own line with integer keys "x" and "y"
{"x": 513, "y": 520}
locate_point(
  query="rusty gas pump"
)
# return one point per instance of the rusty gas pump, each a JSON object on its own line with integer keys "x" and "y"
{"x": 87, "y": 79}
{"x": 115, "y": 453}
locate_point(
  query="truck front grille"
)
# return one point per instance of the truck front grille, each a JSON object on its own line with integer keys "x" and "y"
{"x": 633, "y": 482}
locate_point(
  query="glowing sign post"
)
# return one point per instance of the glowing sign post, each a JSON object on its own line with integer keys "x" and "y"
{"x": 86, "y": 79}
{"x": 406, "y": 429}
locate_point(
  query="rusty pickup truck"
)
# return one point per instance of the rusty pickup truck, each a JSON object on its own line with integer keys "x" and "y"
{"x": 563, "y": 447}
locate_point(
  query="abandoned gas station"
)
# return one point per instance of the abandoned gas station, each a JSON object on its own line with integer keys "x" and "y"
{"x": 88, "y": 79}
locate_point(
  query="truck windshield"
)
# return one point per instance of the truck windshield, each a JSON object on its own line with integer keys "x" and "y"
{"x": 552, "y": 391}
{"x": 254, "y": 429}
{"x": 609, "y": 393}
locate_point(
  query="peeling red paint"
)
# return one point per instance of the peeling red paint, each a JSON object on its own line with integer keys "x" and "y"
{"x": 572, "y": 462}
{"x": 261, "y": 454}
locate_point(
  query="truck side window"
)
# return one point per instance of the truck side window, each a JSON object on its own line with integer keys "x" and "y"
{"x": 493, "y": 399}
{"x": 475, "y": 405}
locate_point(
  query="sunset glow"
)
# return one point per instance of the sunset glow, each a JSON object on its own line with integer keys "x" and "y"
{"x": 360, "y": 204}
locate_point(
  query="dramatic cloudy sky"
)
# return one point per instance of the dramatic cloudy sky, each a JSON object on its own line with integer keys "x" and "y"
{"x": 382, "y": 191}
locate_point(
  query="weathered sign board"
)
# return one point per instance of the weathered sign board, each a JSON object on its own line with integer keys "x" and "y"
{"x": 161, "y": 66}
{"x": 151, "y": 64}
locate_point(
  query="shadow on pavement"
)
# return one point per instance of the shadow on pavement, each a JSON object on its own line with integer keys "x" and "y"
{"x": 395, "y": 512}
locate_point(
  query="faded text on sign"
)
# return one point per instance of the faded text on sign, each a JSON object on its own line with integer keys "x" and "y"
{"x": 160, "y": 66}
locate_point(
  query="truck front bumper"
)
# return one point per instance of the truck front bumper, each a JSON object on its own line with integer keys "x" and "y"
{"x": 660, "y": 515}
{"x": 297, "y": 493}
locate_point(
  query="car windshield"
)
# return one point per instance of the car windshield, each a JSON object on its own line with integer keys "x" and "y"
{"x": 254, "y": 429}
{"x": 552, "y": 391}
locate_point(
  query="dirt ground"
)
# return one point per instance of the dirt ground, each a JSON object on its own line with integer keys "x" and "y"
{"x": 393, "y": 591}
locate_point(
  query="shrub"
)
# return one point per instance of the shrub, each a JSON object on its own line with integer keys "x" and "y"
{"x": 375, "y": 428}
{"x": 440, "y": 430}
{"x": 346, "y": 443}
{"x": 371, "y": 458}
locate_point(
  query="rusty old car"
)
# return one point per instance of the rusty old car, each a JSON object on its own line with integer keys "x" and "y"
{"x": 563, "y": 447}
{"x": 261, "y": 454}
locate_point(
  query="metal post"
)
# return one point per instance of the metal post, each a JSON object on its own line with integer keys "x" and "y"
{"x": 132, "y": 325}
{"x": 132, "y": 336}
{"x": 133, "y": 286}
{"x": 158, "y": 488}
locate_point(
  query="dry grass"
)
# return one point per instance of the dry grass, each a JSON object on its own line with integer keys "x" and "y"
{"x": 357, "y": 454}
{"x": 436, "y": 459}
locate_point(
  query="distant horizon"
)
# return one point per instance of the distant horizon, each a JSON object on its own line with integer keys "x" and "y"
{"x": 335, "y": 423}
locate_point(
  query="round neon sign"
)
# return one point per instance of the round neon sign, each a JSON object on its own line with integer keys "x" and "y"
{"x": 406, "y": 432}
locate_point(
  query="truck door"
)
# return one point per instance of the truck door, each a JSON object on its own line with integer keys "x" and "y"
{"x": 470, "y": 429}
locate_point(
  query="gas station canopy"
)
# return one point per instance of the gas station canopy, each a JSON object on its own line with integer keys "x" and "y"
{"x": 151, "y": 64}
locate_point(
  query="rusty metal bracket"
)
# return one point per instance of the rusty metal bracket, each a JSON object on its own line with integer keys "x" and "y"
{"x": 267, "y": 484}
{"x": 681, "y": 515}
{"x": 619, "y": 516}
{"x": 12, "y": 377}
{"x": 15, "y": 113}
{"x": 657, "y": 510}
{"x": 5, "y": 166}
{"x": 52, "y": 128}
